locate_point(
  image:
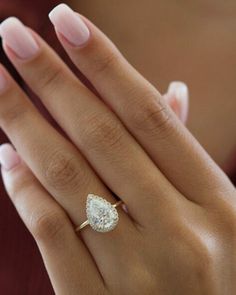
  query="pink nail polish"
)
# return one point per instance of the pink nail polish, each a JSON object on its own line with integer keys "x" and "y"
{"x": 179, "y": 90}
{"x": 8, "y": 156}
{"x": 69, "y": 24}
{"x": 18, "y": 38}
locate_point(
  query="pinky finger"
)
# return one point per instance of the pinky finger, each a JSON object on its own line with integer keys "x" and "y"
{"x": 178, "y": 99}
{"x": 68, "y": 262}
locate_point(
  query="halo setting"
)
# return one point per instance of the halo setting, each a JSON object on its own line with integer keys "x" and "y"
{"x": 102, "y": 215}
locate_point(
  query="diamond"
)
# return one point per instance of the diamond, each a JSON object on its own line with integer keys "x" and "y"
{"x": 101, "y": 214}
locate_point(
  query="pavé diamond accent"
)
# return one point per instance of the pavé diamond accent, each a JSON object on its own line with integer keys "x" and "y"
{"x": 101, "y": 214}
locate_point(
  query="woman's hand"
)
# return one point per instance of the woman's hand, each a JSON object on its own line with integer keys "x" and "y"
{"x": 179, "y": 235}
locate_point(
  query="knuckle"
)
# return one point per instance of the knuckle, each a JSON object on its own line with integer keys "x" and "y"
{"x": 102, "y": 132}
{"x": 104, "y": 62}
{"x": 50, "y": 77}
{"x": 203, "y": 258}
{"x": 62, "y": 173}
{"x": 47, "y": 226}
{"x": 13, "y": 114}
{"x": 200, "y": 249}
{"x": 152, "y": 116}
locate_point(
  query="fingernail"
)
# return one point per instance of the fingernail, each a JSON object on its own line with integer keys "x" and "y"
{"x": 8, "y": 156}
{"x": 18, "y": 38}
{"x": 180, "y": 91}
{"x": 69, "y": 24}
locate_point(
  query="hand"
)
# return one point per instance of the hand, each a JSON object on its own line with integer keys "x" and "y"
{"x": 179, "y": 234}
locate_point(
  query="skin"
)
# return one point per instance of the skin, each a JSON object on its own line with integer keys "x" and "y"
{"x": 179, "y": 236}
{"x": 192, "y": 41}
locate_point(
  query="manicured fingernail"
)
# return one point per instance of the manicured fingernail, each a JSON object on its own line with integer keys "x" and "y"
{"x": 8, "y": 156}
{"x": 18, "y": 38}
{"x": 69, "y": 24}
{"x": 180, "y": 91}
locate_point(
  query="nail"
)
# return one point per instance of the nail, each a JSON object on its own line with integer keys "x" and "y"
{"x": 8, "y": 156}
{"x": 179, "y": 90}
{"x": 18, "y": 38}
{"x": 69, "y": 24}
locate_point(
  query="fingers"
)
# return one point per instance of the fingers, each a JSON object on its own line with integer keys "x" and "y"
{"x": 68, "y": 262}
{"x": 141, "y": 108}
{"x": 101, "y": 137}
{"x": 61, "y": 169}
{"x": 56, "y": 162}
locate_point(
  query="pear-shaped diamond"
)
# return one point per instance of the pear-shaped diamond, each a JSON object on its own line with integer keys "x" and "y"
{"x": 101, "y": 214}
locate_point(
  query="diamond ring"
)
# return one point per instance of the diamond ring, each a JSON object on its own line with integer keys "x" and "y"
{"x": 102, "y": 216}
